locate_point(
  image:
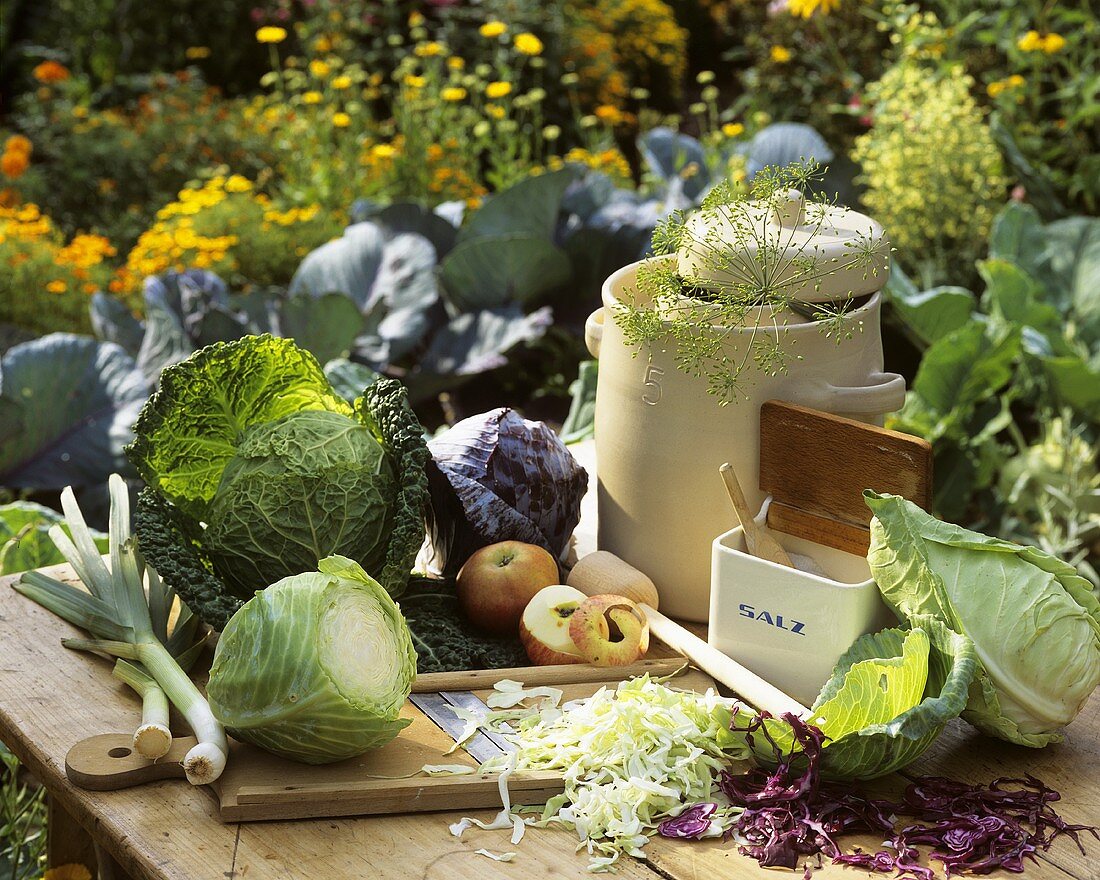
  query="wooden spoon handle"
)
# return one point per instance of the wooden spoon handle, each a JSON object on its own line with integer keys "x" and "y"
{"x": 108, "y": 762}
{"x": 758, "y": 539}
{"x": 744, "y": 682}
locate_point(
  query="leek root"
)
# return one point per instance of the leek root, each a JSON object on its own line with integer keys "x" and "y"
{"x": 153, "y": 738}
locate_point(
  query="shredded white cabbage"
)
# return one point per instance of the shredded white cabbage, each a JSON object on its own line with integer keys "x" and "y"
{"x": 496, "y": 857}
{"x": 630, "y": 757}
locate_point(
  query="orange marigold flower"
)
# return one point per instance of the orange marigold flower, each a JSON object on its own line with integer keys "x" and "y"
{"x": 57, "y": 286}
{"x": 18, "y": 143}
{"x": 51, "y": 72}
{"x": 14, "y": 165}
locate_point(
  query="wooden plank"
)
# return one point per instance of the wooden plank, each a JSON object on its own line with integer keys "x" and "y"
{"x": 821, "y": 463}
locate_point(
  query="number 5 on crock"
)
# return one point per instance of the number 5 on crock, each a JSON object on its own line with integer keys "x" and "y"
{"x": 652, "y": 384}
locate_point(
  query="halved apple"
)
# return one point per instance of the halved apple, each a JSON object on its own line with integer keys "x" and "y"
{"x": 544, "y": 626}
{"x": 609, "y": 631}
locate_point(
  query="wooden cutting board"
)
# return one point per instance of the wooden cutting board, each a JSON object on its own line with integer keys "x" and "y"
{"x": 257, "y": 785}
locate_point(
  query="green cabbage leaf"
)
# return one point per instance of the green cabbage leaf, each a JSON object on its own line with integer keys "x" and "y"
{"x": 1034, "y": 621}
{"x": 888, "y": 698}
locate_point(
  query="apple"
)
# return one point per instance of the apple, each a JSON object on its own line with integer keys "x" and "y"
{"x": 544, "y": 627}
{"x": 496, "y": 583}
{"x": 609, "y": 630}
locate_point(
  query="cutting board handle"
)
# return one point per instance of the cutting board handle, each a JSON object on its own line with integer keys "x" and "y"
{"x": 108, "y": 762}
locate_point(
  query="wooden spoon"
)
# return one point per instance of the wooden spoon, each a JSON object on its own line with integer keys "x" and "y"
{"x": 758, "y": 539}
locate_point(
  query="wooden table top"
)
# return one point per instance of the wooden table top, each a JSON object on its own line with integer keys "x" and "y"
{"x": 51, "y": 697}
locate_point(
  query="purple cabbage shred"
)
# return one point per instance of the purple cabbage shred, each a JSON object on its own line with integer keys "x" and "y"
{"x": 790, "y": 813}
{"x": 691, "y": 824}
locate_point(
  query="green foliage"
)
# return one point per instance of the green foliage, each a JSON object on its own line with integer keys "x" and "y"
{"x": 1034, "y": 620}
{"x": 989, "y": 378}
{"x": 22, "y": 821}
{"x": 108, "y": 161}
{"x": 25, "y": 542}
{"x": 285, "y": 676}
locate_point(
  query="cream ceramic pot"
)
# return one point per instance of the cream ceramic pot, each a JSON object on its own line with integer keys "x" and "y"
{"x": 660, "y": 437}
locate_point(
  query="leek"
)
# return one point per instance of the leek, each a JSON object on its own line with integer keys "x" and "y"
{"x": 130, "y": 624}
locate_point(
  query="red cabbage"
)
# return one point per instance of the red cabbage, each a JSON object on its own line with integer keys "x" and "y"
{"x": 790, "y": 812}
{"x": 499, "y": 477}
{"x": 690, "y": 824}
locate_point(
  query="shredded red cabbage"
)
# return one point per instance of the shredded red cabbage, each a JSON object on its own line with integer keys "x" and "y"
{"x": 690, "y": 824}
{"x": 790, "y": 812}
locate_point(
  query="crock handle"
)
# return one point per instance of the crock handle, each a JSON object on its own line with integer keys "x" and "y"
{"x": 883, "y": 393}
{"x": 593, "y": 332}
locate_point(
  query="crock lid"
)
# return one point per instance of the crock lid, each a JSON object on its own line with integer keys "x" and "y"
{"x": 810, "y": 251}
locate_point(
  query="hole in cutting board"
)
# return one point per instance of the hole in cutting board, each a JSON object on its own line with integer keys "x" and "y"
{"x": 120, "y": 752}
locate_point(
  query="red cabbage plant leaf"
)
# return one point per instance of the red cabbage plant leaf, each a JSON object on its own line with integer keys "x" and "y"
{"x": 499, "y": 477}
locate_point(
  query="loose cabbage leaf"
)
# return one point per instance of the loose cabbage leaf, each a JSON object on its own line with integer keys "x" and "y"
{"x": 1034, "y": 620}
{"x": 891, "y": 695}
{"x": 66, "y": 406}
{"x": 190, "y": 428}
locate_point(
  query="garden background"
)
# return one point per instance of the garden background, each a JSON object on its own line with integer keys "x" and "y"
{"x": 436, "y": 191}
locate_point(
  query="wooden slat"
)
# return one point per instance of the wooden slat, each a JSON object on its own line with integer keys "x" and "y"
{"x": 820, "y": 464}
{"x": 819, "y": 529}
{"x": 576, "y": 673}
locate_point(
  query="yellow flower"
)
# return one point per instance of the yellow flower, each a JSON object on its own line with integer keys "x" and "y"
{"x": 428, "y": 50}
{"x": 806, "y": 8}
{"x": 319, "y": 68}
{"x": 456, "y": 63}
{"x": 51, "y": 72}
{"x": 383, "y": 151}
{"x": 1015, "y": 81}
{"x": 780, "y": 54}
{"x": 322, "y": 44}
{"x": 415, "y": 82}
{"x": 416, "y": 19}
{"x": 57, "y": 287}
{"x": 68, "y": 872}
{"x": 271, "y": 34}
{"x": 312, "y": 98}
{"x": 732, "y": 129}
{"x": 1053, "y": 43}
{"x": 608, "y": 113}
{"x": 453, "y": 93}
{"x": 528, "y": 44}
{"x": 341, "y": 120}
{"x": 995, "y": 88}
{"x": 237, "y": 184}
{"x": 492, "y": 29}
{"x": 498, "y": 89}
{"x": 196, "y": 53}
{"x": 341, "y": 82}
{"x": 495, "y": 110}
